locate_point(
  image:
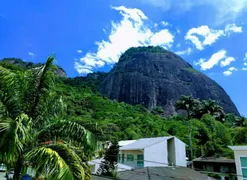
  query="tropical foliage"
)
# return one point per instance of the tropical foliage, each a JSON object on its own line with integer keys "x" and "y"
{"x": 32, "y": 129}
{"x": 52, "y": 124}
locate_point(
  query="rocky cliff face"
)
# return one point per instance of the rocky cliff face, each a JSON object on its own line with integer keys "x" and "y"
{"x": 154, "y": 77}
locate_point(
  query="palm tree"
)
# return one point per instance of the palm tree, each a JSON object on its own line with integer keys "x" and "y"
{"x": 188, "y": 104}
{"x": 32, "y": 132}
{"x": 211, "y": 107}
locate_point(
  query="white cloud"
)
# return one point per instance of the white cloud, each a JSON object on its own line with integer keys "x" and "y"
{"x": 131, "y": 31}
{"x": 227, "y": 73}
{"x": 244, "y": 69}
{"x": 91, "y": 60}
{"x": 230, "y": 28}
{"x": 224, "y": 10}
{"x": 214, "y": 60}
{"x": 31, "y": 54}
{"x": 245, "y": 63}
{"x": 227, "y": 61}
{"x": 187, "y": 52}
{"x": 199, "y": 62}
{"x": 162, "y": 38}
{"x": 209, "y": 35}
{"x": 164, "y": 23}
{"x": 245, "y": 58}
{"x": 82, "y": 69}
{"x": 79, "y": 51}
{"x": 233, "y": 69}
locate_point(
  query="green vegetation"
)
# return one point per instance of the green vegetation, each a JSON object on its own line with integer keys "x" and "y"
{"x": 108, "y": 165}
{"x": 32, "y": 129}
{"x": 51, "y": 122}
{"x": 150, "y": 49}
{"x": 191, "y": 70}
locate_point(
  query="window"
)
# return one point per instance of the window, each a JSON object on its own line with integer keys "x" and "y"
{"x": 243, "y": 162}
{"x": 119, "y": 158}
{"x": 123, "y": 158}
{"x": 140, "y": 162}
{"x": 130, "y": 157}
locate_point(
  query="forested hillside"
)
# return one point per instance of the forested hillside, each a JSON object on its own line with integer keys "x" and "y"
{"x": 81, "y": 102}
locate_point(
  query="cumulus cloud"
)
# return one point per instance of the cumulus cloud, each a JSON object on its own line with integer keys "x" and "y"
{"x": 184, "y": 52}
{"x": 245, "y": 63}
{"x": 209, "y": 35}
{"x": 214, "y": 60}
{"x": 244, "y": 69}
{"x": 225, "y": 10}
{"x": 229, "y": 71}
{"x": 233, "y": 28}
{"x": 131, "y": 31}
{"x": 82, "y": 69}
{"x": 79, "y": 51}
{"x": 233, "y": 69}
{"x": 227, "y": 61}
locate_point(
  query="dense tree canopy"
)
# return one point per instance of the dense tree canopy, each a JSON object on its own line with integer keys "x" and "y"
{"x": 43, "y": 117}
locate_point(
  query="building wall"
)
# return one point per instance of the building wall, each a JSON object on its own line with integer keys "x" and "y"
{"x": 130, "y": 152}
{"x": 171, "y": 151}
{"x": 180, "y": 152}
{"x": 237, "y": 155}
{"x": 156, "y": 153}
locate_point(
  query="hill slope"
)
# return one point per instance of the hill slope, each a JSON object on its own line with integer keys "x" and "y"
{"x": 154, "y": 77}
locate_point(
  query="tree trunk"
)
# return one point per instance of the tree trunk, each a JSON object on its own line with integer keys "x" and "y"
{"x": 18, "y": 167}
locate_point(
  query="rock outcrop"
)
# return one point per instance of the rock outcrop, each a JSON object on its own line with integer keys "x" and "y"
{"x": 154, "y": 77}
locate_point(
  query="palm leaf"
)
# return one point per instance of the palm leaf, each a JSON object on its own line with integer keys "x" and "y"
{"x": 11, "y": 91}
{"x": 71, "y": 131}
{"x": 14, "y": 134}
{"x": 56, "y": 161}
{"x": 43, "y": 81}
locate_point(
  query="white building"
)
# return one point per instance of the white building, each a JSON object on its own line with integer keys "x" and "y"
{"x": 148, "y": 152}
{"x": 153, "y": 152}
{"x": 240, "y": 154}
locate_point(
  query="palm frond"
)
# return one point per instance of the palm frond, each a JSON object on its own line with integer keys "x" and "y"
{"x": 10, "y": 86}
{"x": 43, "y": 82}
{"x": 56, "y": 161}
{"x": 71, "y": 131}
{"x": 14, "y": 134}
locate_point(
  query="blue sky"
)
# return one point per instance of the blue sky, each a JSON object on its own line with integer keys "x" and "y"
{"x": 88, "y": 36}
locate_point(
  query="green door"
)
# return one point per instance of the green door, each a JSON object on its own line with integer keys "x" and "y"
{"x": 140, "y": 160}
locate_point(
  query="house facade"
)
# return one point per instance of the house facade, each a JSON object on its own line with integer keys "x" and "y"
{"x": 153, "y": 152}
{"x": 240, "y": 154}
{"x": 147, "y": 152}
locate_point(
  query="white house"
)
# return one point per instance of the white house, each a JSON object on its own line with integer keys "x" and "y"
{"x": 240, "y": 154}
{"x": 153, "y": 152}
{"x": 148, "y": 152}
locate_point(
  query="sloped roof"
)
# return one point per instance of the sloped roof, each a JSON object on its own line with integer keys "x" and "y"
{"x": 214, "y": 160}
{"x": 125, "y": 142}
{"x": 160, "y": 173}
{"x": 144, "y": 142}
{"x": 238, "y": 148}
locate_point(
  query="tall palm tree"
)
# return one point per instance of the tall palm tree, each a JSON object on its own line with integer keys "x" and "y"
{"x": 211, "y": 107}
{"x": 32, "y": 132}
{"x": 188, "y": 104}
